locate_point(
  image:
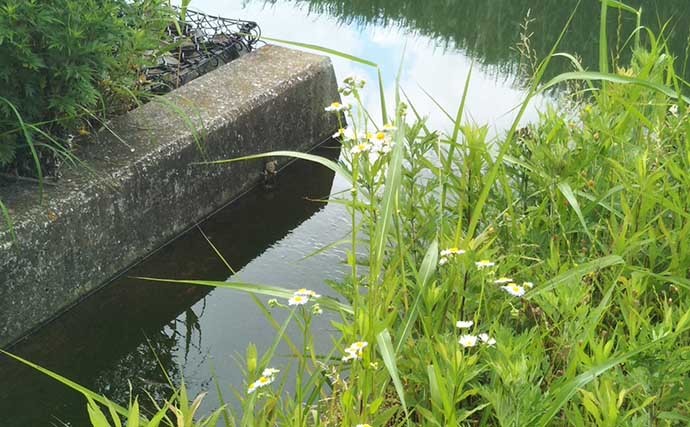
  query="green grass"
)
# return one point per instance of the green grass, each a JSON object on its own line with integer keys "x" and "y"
{"x": 583, "y": 214}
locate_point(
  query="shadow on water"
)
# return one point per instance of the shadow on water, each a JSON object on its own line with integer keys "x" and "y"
{"x": 108, "y": 339}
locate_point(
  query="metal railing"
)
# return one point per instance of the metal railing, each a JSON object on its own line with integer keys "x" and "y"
{"x": 201, "y": 43}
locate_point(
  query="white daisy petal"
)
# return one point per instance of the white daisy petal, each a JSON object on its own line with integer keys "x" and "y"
{"x": 514, "y": 290}
{"x": 468, "y": 340}
{"x": 464, "y": 324}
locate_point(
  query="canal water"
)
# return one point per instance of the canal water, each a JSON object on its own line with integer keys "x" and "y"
{"x": 107, "y": 342}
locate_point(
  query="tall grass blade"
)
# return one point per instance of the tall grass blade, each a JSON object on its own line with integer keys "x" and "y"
{"x": 436, "y": 103}
{"x": 294, "y": 154}
{"x": 8, "y": 220}
{"x": 623, "y": 6}
{"x": 325, "y": 301}
{"x": 390, "y": 194}
{"x": 603, "y": 38}
{"x": 69, "y": 383}
{"x": 613, "y": 78}
{"x": 382, "y": 97}
{"x": 461, "y": 109}
{"x": 29, "y": 141}
{"x": 218, "y": 254}
{"x": 426, "y": 271}
{"x": 198, "y": 133}
{"x": 567, "y": 192}
{"x": 385, "y": 346}
{"x": 323, "y": 50}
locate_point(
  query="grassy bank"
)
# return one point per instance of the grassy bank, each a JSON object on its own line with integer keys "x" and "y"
{"x": 536, "y": 280}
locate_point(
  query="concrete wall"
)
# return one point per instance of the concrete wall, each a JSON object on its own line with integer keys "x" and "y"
{"x": 86, "y": 231}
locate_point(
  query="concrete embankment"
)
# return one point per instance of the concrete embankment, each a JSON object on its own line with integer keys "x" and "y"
{"x": 85, "y": 231}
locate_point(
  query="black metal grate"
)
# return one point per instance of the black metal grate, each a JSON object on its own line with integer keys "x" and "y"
{"x": 205, "y": 42}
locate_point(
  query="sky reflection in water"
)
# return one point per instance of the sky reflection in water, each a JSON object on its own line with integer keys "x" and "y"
{"x": 441, "y": 72}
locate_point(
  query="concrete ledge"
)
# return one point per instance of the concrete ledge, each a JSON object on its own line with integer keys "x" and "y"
{"x": 84, "y": 232}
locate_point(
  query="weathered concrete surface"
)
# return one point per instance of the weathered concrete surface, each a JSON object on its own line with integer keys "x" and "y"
{"x": 85, "y": 232}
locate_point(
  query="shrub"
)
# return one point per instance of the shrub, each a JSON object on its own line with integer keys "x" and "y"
{"x": 65, "y": 61}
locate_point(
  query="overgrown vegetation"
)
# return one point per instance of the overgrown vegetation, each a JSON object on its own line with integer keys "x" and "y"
{"x": 64, "y": 66}
{"x": 536, "y": 280}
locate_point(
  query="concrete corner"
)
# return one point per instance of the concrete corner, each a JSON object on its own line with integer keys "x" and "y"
{"x": 85, "y": 231}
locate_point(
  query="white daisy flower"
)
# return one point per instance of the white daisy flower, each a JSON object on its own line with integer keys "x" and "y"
{"x": 298, "y": 300}
{"x": 451, "y": 252}
{"x": 443, "y": 261}
{"x": 486, "y": 339}
{"x": 379, "y": 137}
{"x": 337, "y": 106}
{"x": 468, "y": 340}
{"x": 485, "y": 263}
{"x": 269, "y": 372}
{"x": 503, "y": 280}
{"x": 345, "y": 133}
{"x": 362, "y": 147}
{"x": 261, "y": 382}
{"x": 354, "y": 351}
{"x": 514, "y": 290}
{"x": 528, "y": 285}
{"x": 464, "y": 324}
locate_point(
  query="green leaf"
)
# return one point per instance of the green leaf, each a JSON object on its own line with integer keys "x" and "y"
{"x": 577, "y": 272}
{"x": 133, "y": 416}
{"x": 96, "y": 416}
{"x": 385, "y": 346}
{"x": 426, "y": 271}
{"x": 433, "y": 387}
{"x": 567, "y": 192}
{"x": 387, "y": 207}
{"x": 382, "y": 97}
{"x": 567, "y": 390}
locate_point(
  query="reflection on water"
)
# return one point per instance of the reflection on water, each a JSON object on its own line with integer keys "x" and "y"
{"x": 426, "y": 65}
{"x": 489, "y": 30}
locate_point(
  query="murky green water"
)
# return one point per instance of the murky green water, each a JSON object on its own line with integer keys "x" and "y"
{"x": 109, "y": 339}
